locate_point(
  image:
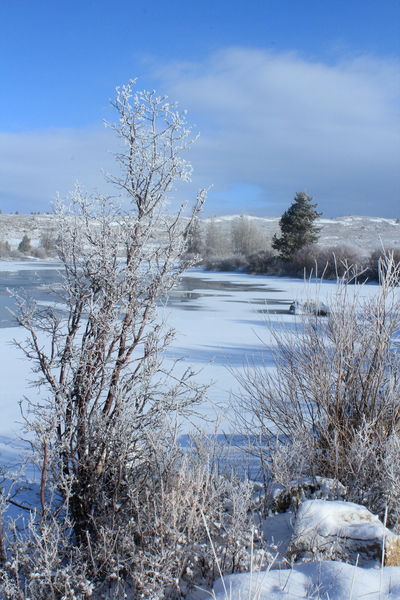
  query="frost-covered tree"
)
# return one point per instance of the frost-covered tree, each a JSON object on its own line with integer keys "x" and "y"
{"x": 297, "y": 226}
{"x": 48, "y": 241}
{"x": 217, "y": 241}
{"x": 123, "y": 510}
{"x": 195, "y": 239}
{"x": 5, "y": 248}
{"x": 105, "y": 392}
{"x": 247, "y": 236}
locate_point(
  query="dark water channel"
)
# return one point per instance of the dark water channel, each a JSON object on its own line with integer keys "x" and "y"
{"x": 40, "y": 285}
{"x": 30, "y": 284}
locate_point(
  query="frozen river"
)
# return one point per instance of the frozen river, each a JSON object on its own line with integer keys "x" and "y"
{"x": 222, "y": 322}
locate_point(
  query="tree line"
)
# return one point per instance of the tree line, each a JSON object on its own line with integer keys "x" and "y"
{"x": 295, "y": 251}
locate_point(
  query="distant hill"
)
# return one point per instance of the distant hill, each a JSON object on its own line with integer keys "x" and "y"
{"x": 14, "y": 227}
{"x": 366, "y": 233}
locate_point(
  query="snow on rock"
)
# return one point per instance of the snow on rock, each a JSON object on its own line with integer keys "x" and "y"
{"x": 308, "y": 307}
{"x": 290, "y": 495}
{"x": 322, "y": 579}
{"x": 342, "y": 531}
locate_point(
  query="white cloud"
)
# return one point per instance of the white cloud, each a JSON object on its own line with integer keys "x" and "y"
{"x": 271, "y": 124}
{"x": 285, "y": 124}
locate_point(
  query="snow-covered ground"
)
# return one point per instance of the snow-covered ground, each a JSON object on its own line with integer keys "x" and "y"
{"x": 229, "y": 325}
{"x": 222, "y": 320}
{"x": 322, "y": 580}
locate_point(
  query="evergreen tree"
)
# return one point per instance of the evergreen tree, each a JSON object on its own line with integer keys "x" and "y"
{"x": 297, "y": 226}
{"x": 25, "y": 244}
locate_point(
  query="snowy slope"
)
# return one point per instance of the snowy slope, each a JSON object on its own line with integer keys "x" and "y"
{"x": 365, "y": 232}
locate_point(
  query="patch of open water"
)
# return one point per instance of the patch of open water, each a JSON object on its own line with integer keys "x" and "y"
{"x": 40, "y": 285}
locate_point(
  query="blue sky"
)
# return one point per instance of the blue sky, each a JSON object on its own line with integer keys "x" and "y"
{"x": 288, "y": 95}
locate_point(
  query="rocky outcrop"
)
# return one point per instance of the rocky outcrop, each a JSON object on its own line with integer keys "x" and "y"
{"x": 290, "y": 496}
{"x": 309, "y": 307}
{"x": 344, "y": 531}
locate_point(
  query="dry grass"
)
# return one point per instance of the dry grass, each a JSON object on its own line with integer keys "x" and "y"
{"x": 392, "y": 551}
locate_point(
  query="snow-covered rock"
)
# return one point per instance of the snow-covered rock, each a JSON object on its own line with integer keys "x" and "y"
{"x": 309, "y": 307}
{"x": 290, "y": 496}
{"x": 341, "y": 531}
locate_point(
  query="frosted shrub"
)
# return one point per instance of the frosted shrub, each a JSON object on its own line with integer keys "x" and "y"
{"x": 194, "y": 506}
{"x": 375, "y": 260}
{"x": 233, "y": 262}
{"x": 286, "y": 462}
{"x": 5, "y": 249}
{"x": 391, "y": 477}
{"x": 41, "y": 563}
{"x": 328, "y": 262}
{"x": 263, "y": 261}
{"x": 336, "y": 389}
{"x": 157, "y": 545}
